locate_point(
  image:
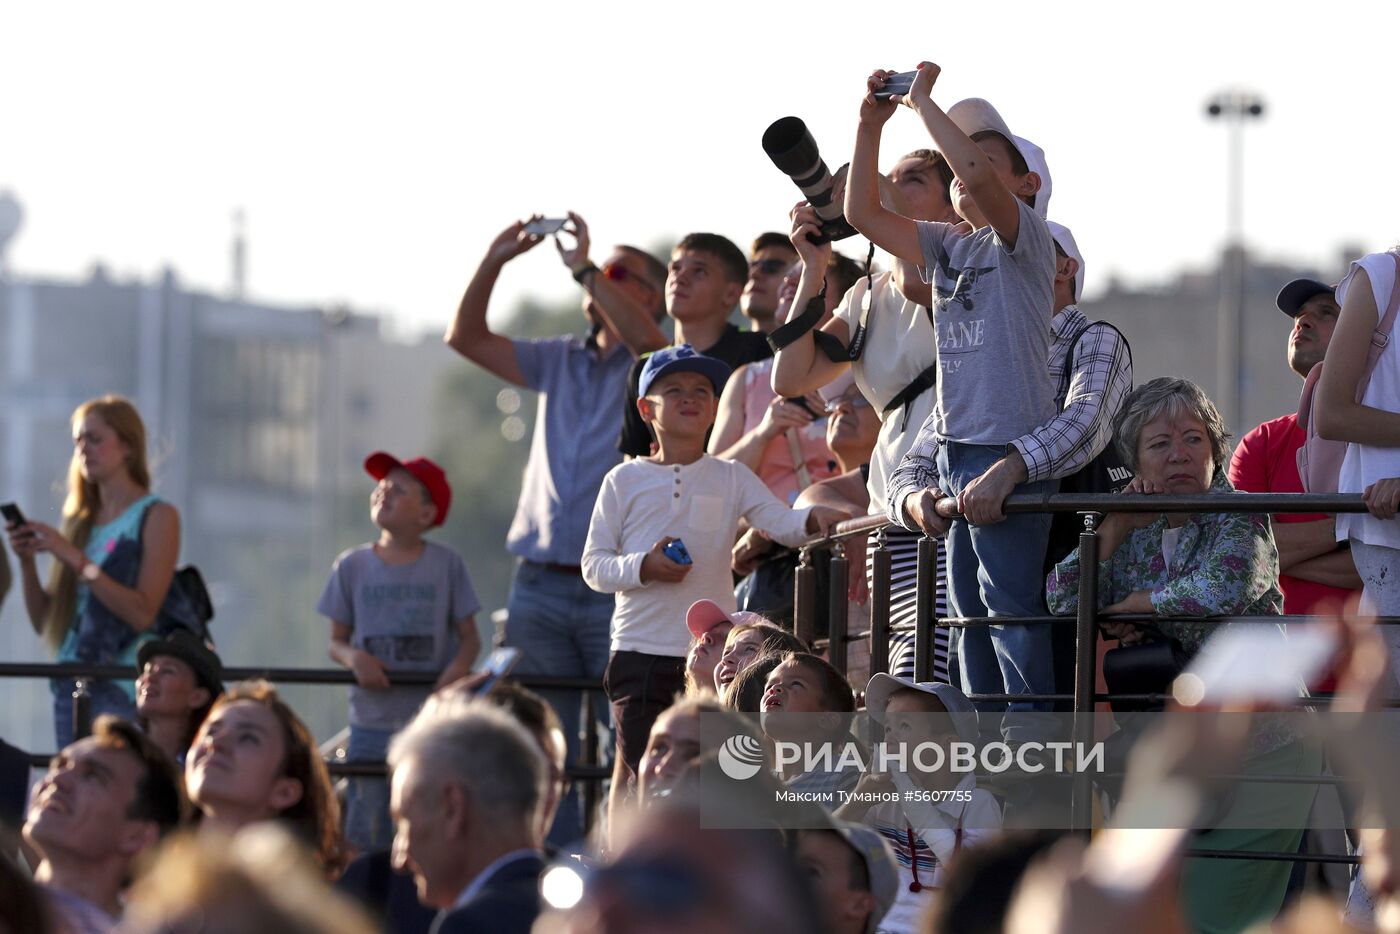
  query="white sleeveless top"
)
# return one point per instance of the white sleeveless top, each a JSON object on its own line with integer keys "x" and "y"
{"x": 1364, "y": 464}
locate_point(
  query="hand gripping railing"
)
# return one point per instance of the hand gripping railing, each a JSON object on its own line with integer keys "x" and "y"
{"x": 1092, "y": 507}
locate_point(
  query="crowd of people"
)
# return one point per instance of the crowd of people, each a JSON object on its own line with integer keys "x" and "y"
{"x": 669, "y": 479}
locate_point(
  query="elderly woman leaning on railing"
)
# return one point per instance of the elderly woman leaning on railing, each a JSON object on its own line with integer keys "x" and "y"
{"x": 1175, "y": 565}
{"x": 1206, "y": 564}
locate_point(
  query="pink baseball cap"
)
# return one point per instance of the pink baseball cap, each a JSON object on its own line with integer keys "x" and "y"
{"x": 705, "y": 615}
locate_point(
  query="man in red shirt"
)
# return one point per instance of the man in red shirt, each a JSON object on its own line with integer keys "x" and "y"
{"x": 1316, "y": 572}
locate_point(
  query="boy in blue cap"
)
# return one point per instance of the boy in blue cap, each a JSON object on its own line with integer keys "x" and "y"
{"x": 680, "y": 495}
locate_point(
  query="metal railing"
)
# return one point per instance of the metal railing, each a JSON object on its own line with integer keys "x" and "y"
{"x": 1092, "y": 507}
{"x": 587, "y": 771}
{"x": 1083, "y": 696}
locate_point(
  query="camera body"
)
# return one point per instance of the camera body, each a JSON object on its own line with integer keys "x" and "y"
{"x": 676, "y": 551}
{"x": 789, "y": 144}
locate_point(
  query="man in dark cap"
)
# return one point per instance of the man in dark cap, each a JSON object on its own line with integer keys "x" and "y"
{"x": 1315, "y": 571}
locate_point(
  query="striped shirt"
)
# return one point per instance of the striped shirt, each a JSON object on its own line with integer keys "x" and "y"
{"x": 937, "y": 833}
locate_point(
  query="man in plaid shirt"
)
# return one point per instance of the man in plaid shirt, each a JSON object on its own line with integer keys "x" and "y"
{"x": 1086, "y": 401}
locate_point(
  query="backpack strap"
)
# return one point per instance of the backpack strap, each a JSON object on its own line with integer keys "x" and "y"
{"x": 917, "y": 387}
{"x": 1380, "y": 337}
{"x": 1068, "y": 375}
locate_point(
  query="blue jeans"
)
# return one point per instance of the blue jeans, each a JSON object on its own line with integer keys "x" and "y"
{"x": 996, "y": 570}
{"x": 564, "y": 628}
{"x": 367, "y": 823}
{"x": 107, "y": 697}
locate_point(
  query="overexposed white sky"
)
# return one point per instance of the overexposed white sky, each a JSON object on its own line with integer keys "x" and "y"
{"x": 377, "y": 148}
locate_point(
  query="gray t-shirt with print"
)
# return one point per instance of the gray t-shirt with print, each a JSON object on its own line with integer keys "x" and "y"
{"x": 991, "y": 308}
{"x": 405, "y": 616}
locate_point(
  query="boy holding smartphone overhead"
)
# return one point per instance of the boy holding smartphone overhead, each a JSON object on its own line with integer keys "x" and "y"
{"x": 646, "y": 507}
{"x": 993, "y": 280}
{"x": 398, "y": 604}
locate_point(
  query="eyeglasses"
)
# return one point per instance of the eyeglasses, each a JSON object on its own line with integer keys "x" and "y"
{"x": 768, "y": 267}
{"x": 852, "y": 397}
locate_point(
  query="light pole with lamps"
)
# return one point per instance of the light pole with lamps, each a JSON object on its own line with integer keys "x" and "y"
{"x": 1234, "y": 107}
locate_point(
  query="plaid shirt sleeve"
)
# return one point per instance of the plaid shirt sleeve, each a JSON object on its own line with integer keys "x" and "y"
{"x": 1103, "y": 374}
{"x": 917, "y": 471}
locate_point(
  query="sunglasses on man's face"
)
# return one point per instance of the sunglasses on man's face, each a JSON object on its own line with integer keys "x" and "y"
{"x": 616, "y": 272}
{"x": 767, "y": 267}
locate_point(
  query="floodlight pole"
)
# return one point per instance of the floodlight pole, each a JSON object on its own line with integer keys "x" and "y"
{"x": 1234, "y": 107}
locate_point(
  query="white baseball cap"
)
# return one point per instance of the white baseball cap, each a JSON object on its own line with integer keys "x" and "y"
{"x": 1065, "y": 239}
{"x": 974, "y": 115}
{"x": 960, "y": 709}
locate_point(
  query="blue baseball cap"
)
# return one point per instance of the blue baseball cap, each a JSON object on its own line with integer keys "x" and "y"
{"x": 682, "y": 358}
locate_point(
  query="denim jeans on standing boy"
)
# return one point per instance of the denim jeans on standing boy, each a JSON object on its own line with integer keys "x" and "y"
{"x": 367, "y": 823}
{"x": 563, "y": 628}
{"x": 996, "y": 570}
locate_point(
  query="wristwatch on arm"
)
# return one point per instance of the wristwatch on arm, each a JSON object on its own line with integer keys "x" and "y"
{"x": 90, "y": 571}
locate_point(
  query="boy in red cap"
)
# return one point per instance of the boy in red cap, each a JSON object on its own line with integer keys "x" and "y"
{"x": 399, "y": 604}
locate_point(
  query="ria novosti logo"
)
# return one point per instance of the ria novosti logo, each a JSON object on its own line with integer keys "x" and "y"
{"x": 741, "y": 757}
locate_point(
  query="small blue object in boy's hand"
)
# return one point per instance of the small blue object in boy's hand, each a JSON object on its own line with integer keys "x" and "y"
{"x": 675, "y": 550}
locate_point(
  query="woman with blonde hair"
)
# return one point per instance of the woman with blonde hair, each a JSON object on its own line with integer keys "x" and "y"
{"x": 254, "y": 760}
{"x": 113, "y": 558}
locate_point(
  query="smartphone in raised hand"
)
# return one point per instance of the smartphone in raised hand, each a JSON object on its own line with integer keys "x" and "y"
{"x": 546, "y": 225}
{"x": 12, "y": 514}
{"x": 897, "y": 85}
{"x": 498, "y": 664}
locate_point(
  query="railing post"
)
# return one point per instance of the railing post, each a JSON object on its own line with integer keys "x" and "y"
{"x": 880, "y": 605}
{"x": 588, "y": 756}
{"x": 1086, "y": 657}
{"x": 924, "y": 609}
{"x": 82, "y": 709}
{"x": 804, "y": 608}
{"x": 837, "y": 621}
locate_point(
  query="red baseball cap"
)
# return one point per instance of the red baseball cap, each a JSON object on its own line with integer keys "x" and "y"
{"x": 378, "y": 465}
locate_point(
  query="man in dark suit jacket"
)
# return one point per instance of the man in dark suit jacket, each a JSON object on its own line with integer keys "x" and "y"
{"x": 465, "y": 797}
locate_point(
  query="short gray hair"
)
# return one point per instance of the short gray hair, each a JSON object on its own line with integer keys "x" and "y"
{"x": 1173, "y": 395}
{"x": 481, "y": 748}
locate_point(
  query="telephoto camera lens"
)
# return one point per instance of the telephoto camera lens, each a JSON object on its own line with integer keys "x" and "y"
{"x": 791, "y": 147}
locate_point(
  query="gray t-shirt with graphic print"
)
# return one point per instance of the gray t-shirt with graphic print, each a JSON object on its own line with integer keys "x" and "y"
{"x": 991, "y": 308}
{"x": 405, "y": 616}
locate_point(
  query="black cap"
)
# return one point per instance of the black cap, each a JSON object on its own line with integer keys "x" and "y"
{"x": 190, "y": 649}
{"x": 1295, "y": 294}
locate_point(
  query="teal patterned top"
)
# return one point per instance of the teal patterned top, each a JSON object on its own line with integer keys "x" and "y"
{"x": 1226, "y": 564}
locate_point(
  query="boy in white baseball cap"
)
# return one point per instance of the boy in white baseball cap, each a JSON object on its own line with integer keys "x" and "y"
{"x": 993, "y": 283}
{"x": 924, "y": 834}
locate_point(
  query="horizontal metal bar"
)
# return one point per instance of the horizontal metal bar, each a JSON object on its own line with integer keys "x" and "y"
{"x": 1274, "y": 856}
{"x": 1178, "y": 502}
{"x": 1285, "y": 503}
{"x": 581, "y": 773}
{"x": 278, "y": 675}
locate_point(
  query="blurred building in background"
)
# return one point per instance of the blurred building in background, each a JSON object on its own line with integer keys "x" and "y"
{"x": 258, "y": 419}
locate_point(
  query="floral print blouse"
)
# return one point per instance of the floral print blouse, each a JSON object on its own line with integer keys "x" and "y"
{"x": 1225, "y": 564}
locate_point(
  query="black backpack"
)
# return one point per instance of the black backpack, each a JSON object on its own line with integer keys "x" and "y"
{"x": 1106, "y": 473}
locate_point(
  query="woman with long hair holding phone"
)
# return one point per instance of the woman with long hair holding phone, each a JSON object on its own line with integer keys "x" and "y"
{"x": 113, "y": 558}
